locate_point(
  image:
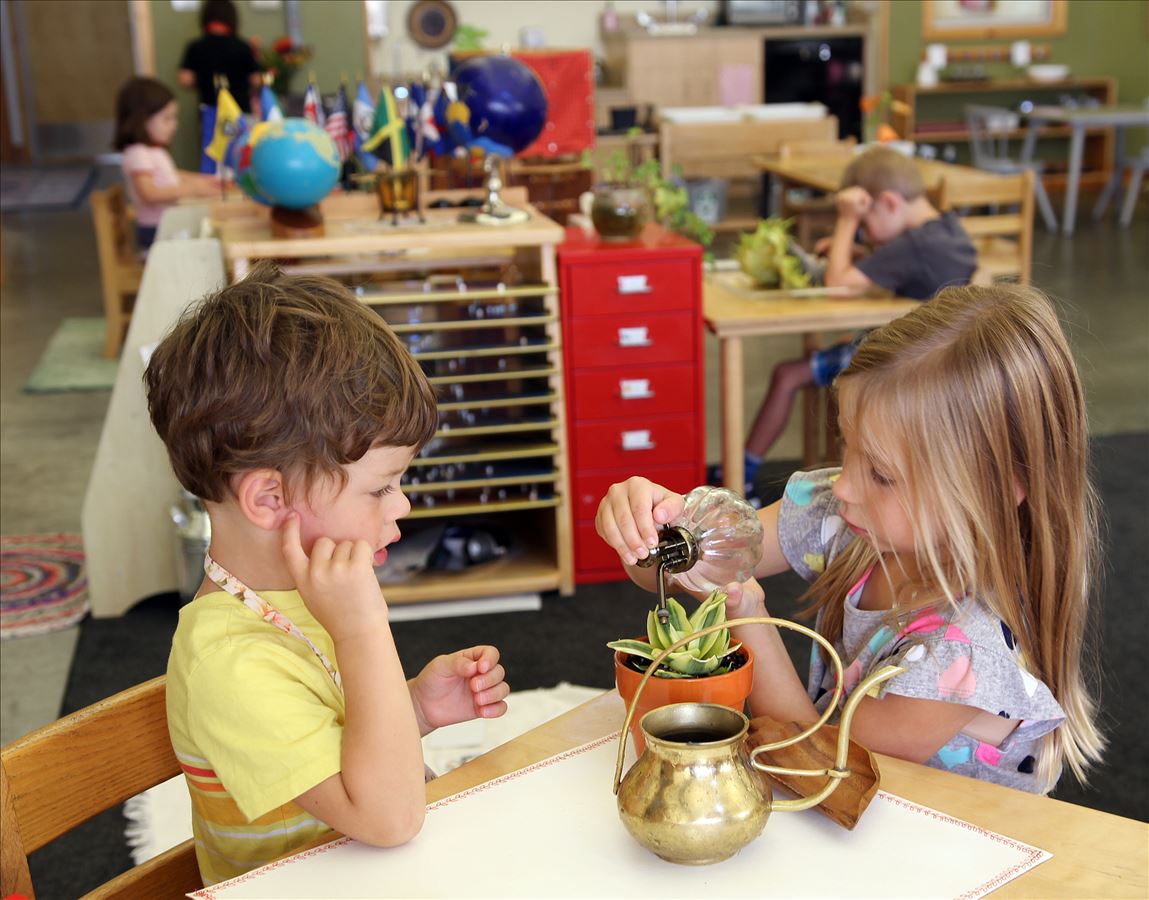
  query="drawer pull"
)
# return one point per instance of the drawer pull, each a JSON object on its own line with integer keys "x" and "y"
{"x": 638, "y": 336}
{"x": 637, "y": 440}
{"x": 633, "y": 284}
{"x": 635, "y": 389}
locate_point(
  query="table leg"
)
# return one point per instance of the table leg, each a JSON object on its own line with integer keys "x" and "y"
{"x": 733, "y": 428}
{"x": 1076, "y": 146}
{"x": 811, "y": 408}
{"x": 1030, "y": 141}
{"x": 1113, "y": 185}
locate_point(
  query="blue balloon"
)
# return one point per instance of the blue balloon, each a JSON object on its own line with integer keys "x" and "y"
{"x": 507, "y": 102}
{"x": 293, "y": 163}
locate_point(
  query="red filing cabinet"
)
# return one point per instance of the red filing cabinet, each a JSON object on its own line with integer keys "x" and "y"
{"x": 632, "y": 332}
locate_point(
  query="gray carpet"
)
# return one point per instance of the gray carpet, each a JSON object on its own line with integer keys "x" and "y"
{"x": 38, "y": 190}
{"x": 113, "y": 654}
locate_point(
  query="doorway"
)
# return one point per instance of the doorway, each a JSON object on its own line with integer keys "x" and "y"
{"x": 69, "y": 58}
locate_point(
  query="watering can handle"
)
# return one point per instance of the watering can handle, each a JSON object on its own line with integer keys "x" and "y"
{"x": 836, "y": 774}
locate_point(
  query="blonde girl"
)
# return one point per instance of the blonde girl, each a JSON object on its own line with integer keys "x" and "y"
{"x": 958, "y": 540}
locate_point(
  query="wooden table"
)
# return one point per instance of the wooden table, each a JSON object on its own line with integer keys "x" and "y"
{"x": 1080, "y": 119}
{"x": 824, "y": 173}
{"x": 733, "y": 314}
{"x": 1095, "y": 854}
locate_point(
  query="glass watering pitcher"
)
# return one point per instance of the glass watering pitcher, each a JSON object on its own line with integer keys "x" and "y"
{"x": 696, "y": 795}
{"x": 716, "y": 540}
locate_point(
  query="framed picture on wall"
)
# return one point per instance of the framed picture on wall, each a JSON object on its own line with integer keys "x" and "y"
{"x": 959, "y": 20}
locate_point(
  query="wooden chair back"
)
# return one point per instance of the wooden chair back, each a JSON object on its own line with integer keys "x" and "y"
{"x": 63, "y": 774}
{"x": 1004, "y": 240}
{"x": 120, "y": 267}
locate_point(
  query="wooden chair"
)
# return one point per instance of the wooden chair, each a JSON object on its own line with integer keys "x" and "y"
{"x": 1004, "y": 241}
{"x": 815, "y": 215}
{"x": 120, "y": 267}
{"x": 65, "y": 773}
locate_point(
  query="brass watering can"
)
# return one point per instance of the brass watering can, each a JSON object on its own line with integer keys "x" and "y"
{"x": 696, "y": 796}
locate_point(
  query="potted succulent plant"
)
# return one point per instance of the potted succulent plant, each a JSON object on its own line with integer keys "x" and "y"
{"x": 708, "y": 669}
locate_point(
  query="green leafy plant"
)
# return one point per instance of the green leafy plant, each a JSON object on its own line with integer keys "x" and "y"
{"x": 705, "y": 655}
{"x": 669, "y": 198}
{"x": 470, "y": 37}
{"x": 764, "y": 255}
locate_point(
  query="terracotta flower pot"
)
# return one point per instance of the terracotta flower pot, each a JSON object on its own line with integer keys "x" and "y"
{"x": 730, "y": 689}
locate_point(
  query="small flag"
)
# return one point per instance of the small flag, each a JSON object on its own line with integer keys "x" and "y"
{"x": 336, "y": 124}
{"x": 271, "y": 110}
{"x": 427, "y": 134}
{"x": 313, "y": 105}
{"x": 389, "y": 132}
{"x": 227, "y": 121}
{"x": 362, "y": 115}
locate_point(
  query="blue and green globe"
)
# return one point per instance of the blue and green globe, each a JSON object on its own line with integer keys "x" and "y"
{"x": 292, "y": 163}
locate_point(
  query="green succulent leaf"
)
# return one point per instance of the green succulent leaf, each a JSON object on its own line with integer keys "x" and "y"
{"x": 688, "y": 664}
{"x": 679, "y": 620}
{"x": 635, "y": 648}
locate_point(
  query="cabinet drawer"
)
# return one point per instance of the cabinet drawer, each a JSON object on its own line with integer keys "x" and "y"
{"x": 641, "y": 286}
{"x": 632, "y": 391}
{"x": 624, "y": 341}
{"x": 633, "y": 446}
{"x": 592, "y": 552}
{"x": 589, "y": 489}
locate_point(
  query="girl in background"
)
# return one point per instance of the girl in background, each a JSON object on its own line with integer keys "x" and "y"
{"x": 146, "y": 120}
{"x": 957, "y": 540}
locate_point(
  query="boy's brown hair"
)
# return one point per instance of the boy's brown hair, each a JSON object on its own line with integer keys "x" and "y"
{"x": 884, "y": 169}
{"x": 284, "y": 372}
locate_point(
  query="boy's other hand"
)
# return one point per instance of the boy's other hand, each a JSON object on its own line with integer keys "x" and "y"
{"x": 337, "y": 581}
{"x": 854, "y": 202}
{"x": 631, "y": 513}
{"x": 464, "y": 685}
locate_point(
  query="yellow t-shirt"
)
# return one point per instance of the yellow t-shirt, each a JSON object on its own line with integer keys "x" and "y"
{"x": 255, "y": 720}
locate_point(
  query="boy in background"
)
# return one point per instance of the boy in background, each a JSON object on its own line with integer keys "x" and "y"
{"x": 292, "y": 411}
{"x": 917, "y": 250}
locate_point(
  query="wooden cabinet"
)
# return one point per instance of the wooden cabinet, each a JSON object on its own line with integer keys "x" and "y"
{"x": 478, "y": 307}
{"x": 632, "y": 321}
{"x": 936, "y": 115}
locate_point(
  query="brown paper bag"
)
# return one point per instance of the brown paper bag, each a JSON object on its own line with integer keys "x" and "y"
{"x": 846, "y": 805}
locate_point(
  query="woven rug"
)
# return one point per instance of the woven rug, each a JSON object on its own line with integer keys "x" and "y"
{"x": 74, "y": 360}
{"x": 43, "y": 586}
{"x": 29, "y": 190}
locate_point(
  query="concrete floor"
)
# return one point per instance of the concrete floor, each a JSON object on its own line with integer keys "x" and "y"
{"x": 48, "y": 442}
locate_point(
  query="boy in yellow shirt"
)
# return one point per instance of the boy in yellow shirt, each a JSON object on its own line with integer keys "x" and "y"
{"x": 292, "y": 411}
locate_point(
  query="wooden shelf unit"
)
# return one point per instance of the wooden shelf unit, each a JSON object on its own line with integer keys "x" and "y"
{"x": 943, "y": 107}
{"x": 488, "y": 334}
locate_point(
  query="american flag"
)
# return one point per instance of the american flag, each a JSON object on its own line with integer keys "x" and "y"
{"x": 337, "y": 126}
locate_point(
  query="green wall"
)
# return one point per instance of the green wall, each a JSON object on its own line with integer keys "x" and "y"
{"x": 332, "y": 28}
{"x": 1104, "y": 37}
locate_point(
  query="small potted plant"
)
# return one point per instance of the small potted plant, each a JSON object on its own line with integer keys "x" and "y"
{"x": 709, "y": 669}
{"x": 632, "y": 190}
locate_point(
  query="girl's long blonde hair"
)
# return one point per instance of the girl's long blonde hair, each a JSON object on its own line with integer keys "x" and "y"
{"x": 968, "y": 402}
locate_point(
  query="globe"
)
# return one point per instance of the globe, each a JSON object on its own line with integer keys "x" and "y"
{"x": 507, "y": 102}
{"x": 292, "y": 163}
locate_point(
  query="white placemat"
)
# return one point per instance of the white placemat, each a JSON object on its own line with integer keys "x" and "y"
{"x": 553, "y": 830}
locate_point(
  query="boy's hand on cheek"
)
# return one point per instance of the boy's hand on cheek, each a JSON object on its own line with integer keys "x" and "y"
{"x": 468, "y": 684}
{"x": 337, "y": 582}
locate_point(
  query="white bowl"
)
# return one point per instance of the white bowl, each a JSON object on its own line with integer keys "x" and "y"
{"x": 1049, "y": 72}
